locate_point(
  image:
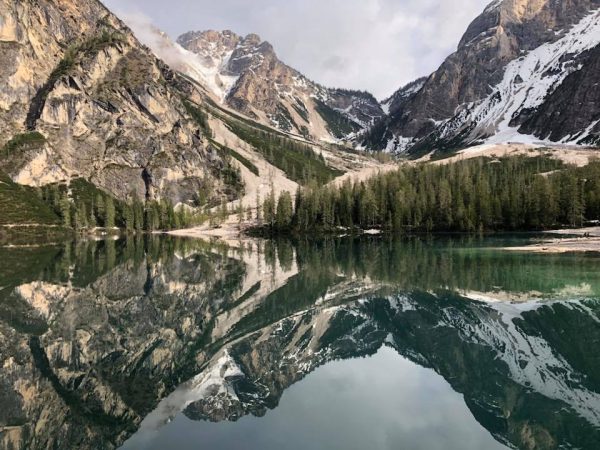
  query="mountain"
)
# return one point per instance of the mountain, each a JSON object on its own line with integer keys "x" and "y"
{"x": 82, "y": 101}
{"x": 245, "y": 74}
{"x": 81, "y": 97}
{"x": 524, "y": 71}
{"x": 486, "y": 355}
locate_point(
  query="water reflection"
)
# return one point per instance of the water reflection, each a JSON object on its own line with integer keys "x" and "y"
{"x": 170, "y": 337}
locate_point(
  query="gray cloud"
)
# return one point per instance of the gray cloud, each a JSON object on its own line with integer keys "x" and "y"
{"x": 377, "y": 45}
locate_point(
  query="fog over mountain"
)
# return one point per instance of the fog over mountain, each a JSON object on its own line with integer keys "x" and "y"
{"x": 376, "y": 45}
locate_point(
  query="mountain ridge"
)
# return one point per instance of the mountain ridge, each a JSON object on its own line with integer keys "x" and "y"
{"x": 435, "y": 118}
{"x": 261, "y": 86}
{"x": 107, "y": 108}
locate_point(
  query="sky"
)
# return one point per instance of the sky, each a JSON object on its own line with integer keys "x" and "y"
{"x": 373, "y": 45}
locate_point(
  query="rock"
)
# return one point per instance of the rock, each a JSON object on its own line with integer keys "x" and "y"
{"x": 108, "y": 108}
{"x": 246, "y": 74}
{"x": 440, "y": 115}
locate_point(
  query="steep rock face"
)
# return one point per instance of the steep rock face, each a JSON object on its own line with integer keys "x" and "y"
{"x": 573, "y": 110}
{"x": 107, "y": 108}
{"x": 403, "y": 95}
{"x": 505, "y": 31}
{"x": 246, "y": 74}
{"x": 380, "y": 135}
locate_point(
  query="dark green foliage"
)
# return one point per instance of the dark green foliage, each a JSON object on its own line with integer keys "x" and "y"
{"x": 285, "y": 212}
{"x": 304, "y": 131}
{"x": 105, "y": 39}
{"x": 299, "y": 161}
{"x": 353, "y": 93}
{"x": 227, "y": 115}
{"x": 199, "y": 116}
{"x": 231, "y": 176}
{"x": 229, "y": 152}
{"x": 284, "y": 119}
{"x": 22, "y": 205}
{"x": 517, "y": 193}
{"x": 338, "y": 124}
{"x": 88, "y": 207}
{"x": 21, "y": 141}
{"x": 269, "y": 210}
{"x": 300, "y": 108}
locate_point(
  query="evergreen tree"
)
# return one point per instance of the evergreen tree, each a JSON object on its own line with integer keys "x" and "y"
{"x": 515, "y": 193}
{"x": 128, "y": 217}
{"x": 109, "y": 213}
{"x": 269, "y": 209}
{"x": 65, "y": 209}
{"x": 285, "y": 211}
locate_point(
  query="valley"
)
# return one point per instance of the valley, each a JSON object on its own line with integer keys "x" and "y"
{"x": 204, "y": 141}
{"x": 201, "y": 246}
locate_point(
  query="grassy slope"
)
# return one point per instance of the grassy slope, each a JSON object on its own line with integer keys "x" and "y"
{"x": 22, "y": 205}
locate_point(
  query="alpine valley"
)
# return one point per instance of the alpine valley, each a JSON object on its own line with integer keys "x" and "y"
{"x": 215, "y": 118}
{"x": 202, "y": 248}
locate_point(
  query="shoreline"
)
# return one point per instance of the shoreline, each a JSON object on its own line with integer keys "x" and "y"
{"x": 582, "y": 240}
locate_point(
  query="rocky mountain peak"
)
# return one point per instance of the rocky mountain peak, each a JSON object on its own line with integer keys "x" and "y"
{"x": 246, "y": 74}
{"x": 506, "y": 31}
{"x": 252, "y": 39}
{"x": 200, "y": 40}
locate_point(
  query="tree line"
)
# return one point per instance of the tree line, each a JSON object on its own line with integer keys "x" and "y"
{"x": 82, "y": 206}
{"x": 508, "y": 194}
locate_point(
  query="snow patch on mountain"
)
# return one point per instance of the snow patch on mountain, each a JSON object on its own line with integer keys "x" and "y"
{"x": 527, "y": 83}
{"x": 399, "y": 145}
{"x": 534, "y": 364}
{"x": 211, "y": 76}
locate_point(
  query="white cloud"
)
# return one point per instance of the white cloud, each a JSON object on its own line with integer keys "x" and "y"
{"x": 377, "y": 45}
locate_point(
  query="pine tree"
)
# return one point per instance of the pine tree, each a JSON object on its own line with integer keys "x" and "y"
{"x": 65, "y": 209}
{"x": 285, "y": 211}
{"x": 109, "y": 221}
{"x": 269, "y": 209}
{"x": 128, "y": 217}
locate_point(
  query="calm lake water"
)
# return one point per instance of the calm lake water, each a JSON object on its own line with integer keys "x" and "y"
{"x": 422, "y": 343}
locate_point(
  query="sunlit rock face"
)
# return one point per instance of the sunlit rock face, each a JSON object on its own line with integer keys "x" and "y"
{"x": 100, "y": 340}
{"x": 107, "y": 108}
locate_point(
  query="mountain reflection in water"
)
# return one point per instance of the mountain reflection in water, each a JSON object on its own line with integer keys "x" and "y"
{"x": 416, "y": 343}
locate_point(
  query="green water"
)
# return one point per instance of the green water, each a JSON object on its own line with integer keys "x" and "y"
{"x": 420, "y": 343}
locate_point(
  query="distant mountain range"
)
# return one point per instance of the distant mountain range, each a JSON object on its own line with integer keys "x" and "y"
{"x": 245, "y": 74}
{"x": 525, "y": 71}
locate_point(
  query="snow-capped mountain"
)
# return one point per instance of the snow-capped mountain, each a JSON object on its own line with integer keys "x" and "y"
{"x": 244, "y": 73}
{"x": 525, "y": 71}
{"x": 397, "y": 100}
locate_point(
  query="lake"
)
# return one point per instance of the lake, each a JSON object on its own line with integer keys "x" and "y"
{"x": 443, "y": 342}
